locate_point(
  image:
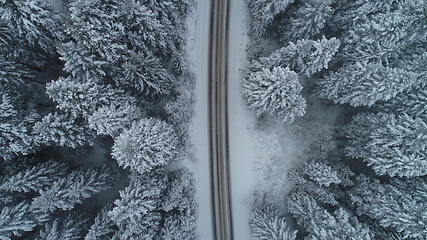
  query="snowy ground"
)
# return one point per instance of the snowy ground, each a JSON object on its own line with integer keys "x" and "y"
{"x": 197, "y": 43}
{"x": 241, "y": 124}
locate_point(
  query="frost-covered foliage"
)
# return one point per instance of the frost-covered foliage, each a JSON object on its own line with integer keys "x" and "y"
{"x": 71, "y": 227}
{"x": 148, "y": 144}
{"x": 32, "y": 20}
{"x": 64, "y": 129}
{"x": 392, "y": 145}
{"x": 263, "y": 13}
{"x": 307, "y": 21}
{"x": 275, "y": 92}
{"x": 305, "y": 56}
{"x": 103, "y": 227}
{"x": 266, "y": 224}
{"x": 391, "y": 207}
{"x": 36, "y": 178}
{"x": 71, "y": 190}
{"x": 364, "y": 84}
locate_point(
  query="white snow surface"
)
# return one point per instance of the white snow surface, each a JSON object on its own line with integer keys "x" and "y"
{"x": 197, "y": 47}
{"x": 242, "y": 123}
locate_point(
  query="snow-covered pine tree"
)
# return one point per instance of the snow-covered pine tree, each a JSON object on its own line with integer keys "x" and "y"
{"x": 266, "y": 224}
{"x": 390, "y": 207}
{"x": 15, "y": 220}
{"x": 12, "y": 73}
{"x": 136, "y": 211}
{"x": 321, "y": 224}
{"x": 181, "y": 225}
{"x": 412, "y": 102}
{"x": 103, "y": 227}
{"x": 83, "y": 97}
{"x": 180, "y": 191}
{"x": 305, "y": 56}
{"x": 263, "y": 13}
{"x": 381, "y": 35}
{"x": 308, "y": 20}
{"x": 393, "y": 145}
{"x": 72, "y": 227}
{"x": 276, "y": 92}
{"x": 114, "y": 118}
{"x": 32, "y": 20}
{"x": 64, "y": 129}
{"x": 148, "y": 144}
{"x": 71, "y": 190}
{"x": 15, "y": 133}
{"x": 36, "y": 178}
{"x": 145, "y": 74}
{"x": 364, "y": 84}
{"x": 315, "y": 179}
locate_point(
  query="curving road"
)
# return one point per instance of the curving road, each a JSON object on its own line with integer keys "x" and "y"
{"x": 218, "y": 124}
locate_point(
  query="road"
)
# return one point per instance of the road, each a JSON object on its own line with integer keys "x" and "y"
{"x": 218, "y": 124}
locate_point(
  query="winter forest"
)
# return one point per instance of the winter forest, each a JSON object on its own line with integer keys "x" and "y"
{"x": 94, "y": 107}
{"x": 364, "y": 177}
{"x": 97, "y": 98}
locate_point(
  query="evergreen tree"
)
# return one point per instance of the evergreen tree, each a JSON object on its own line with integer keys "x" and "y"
{"x": 181, "y": 225}
{"x": 64, "y": 129}
{"x": 103, "y": 227}
{"x": 392, "y": 145}
{"x": 309, "y": 20}
{"x": 304, "y": 56}
{"x": 16, "y": 220}
{"x": 266, "y": 224}
{"x": 263, "y": 13}
{"x": 32, "y": 19}
{"x": 275, "y": 92}
{"x": 390, "y": 207}
{"x": 364, "y": 84}
{"x": 12, "y": 73}
{"x": 69, "y": 191}
{"x": 148, "y": 144}
{"x": 36, "y": 178}
{"x": 113, "y": 119}
{"x": 146, "y": 74}
{"x": 136, "y": 212}
{"x": 70, "y": 228}
{"x": 323, "y": 225}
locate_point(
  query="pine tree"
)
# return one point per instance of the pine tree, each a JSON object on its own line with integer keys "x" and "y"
{"x": 36, "y": 178}
{"x": 64, "y": 129}
{"x": 32, "y": 20}
{"x": 136, "y": 212}
{"x": 115, "y": 118}
{"x": 180, "y": 191}
{"x": 70, "y": 228}
{"x": 392, "y": 145}
{"x": 390, "y": 207}
{"x": 266, "y": 224}
{"x": 15, "y": 137}
{"x": 275, "y": 92}
{"x": 323, "y": 225}
{"x": 364, "y": 84}
{"x": 69, "y": 191}
{"x": 305, "y": 56}
{"x": 181, "y": 225}
{"x": 103, "y": 227}
{"x": 12, "y": 73}
{"x": 148, "y": 144}
{"x": 263, "y": 13}
{"x": 309, "y": 20}
{"x": 16, "y": 220}
{"x": 146, "y": 74}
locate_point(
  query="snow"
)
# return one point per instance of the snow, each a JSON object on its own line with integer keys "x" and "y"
{"x": 242, "y": 124}
{"x": 197, "y": 44}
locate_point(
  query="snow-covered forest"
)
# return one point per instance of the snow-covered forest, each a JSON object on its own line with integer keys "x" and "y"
{"x": 363, "y": 175}
{"x": 95, "y": 104}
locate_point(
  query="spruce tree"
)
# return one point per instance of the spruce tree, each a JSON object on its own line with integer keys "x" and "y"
{"x": 276, "y": 92}
{"x": 148, "y": 144}
{"x": 266, "y": 224}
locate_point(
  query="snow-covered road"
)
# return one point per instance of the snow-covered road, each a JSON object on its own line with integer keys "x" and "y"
{"x": 198, "y": 27}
